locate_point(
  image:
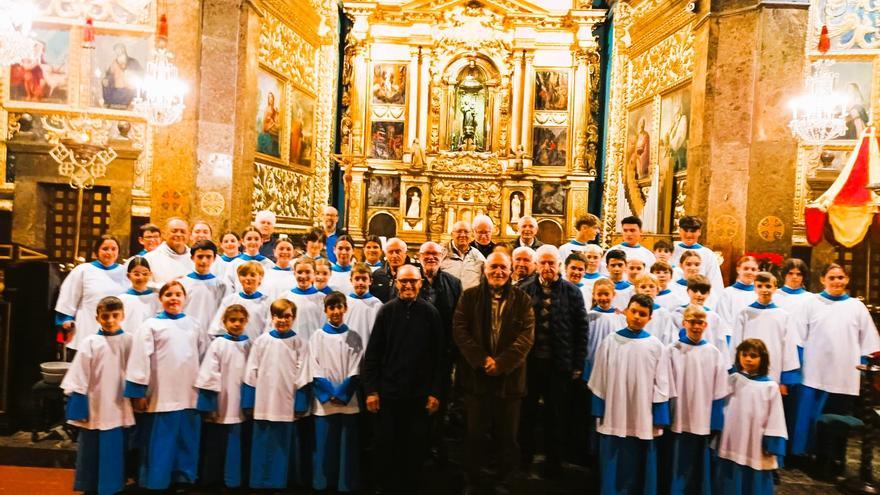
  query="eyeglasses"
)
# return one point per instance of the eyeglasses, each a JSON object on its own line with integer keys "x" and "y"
{"x": 697, "y": 322}
{"x": 408, "y": 281}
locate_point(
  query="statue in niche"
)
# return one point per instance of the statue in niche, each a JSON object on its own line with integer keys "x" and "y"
{"x": 515, "y": 207}
{"x": 415, "y": 209}
{"x": 468, "y": 121}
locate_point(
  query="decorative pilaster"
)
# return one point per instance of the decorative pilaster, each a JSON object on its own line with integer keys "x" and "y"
{"x": 412, "y": 98}
{"x": 517, "y": 98}
{"x": 528, "y": 94}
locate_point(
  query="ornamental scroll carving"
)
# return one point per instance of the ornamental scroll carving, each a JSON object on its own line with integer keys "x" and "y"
{"x": 288, "y": 53}
{"x": 467, "y": 162}
{"x": 113, "y": 11}
{"x": 284, "y": 192}
{"x": 485, "y": 195}
{"x": 663, "y": 65}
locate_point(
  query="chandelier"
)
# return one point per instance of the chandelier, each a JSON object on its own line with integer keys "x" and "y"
{"x": 160, "y": 91}
{"x": 16, "y": 43}
{"x": 818, "y": 114}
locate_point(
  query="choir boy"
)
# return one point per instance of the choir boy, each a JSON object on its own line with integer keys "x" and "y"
{"x": 623, "y": 290}
{"x": 250, "y": 276}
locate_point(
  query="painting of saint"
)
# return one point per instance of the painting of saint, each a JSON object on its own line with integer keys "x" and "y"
{"x": 854, "y": 83}
{"x": 638, "y": 163}
{"x": 549, "y": 146}
{"x": 270, "y": 99}
{"x": 387, "y": 140}
{"x": 383, "y": 191}
{"x": 389, "y": 84}
{"x": 117, "y": 67}
{"x": 42, "y": 77}
{"x": 551, "y": 90}
{"x": 675, "y": 111}
{"x": 549, "y": 198}
{"x": 302, "y": 112}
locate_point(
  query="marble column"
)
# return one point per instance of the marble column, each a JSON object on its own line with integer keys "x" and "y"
{"x": 528, "y": 90}
{"x": 517, "y": 99}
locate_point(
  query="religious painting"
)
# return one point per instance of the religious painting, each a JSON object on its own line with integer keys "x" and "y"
{"x": 386, "y": 138}
{"x": 118, "y": 64}
{"x": 854, "y": 83}
{"x": 517, "y": 204}
{"x": 389, "y": 84}
{"x": 551, "y": 90}
{"x": 413, "y": 203}
{"x": 43, "y": 77}
{"x": 549, "y": 146}
{"x": 675, "y": 112}
{"x": 302, "y": 111}
{"x": 638, "y": 168}
{"x": 270, "y": 111}
{"x": 384, "y": 191}
{"x": 549, "y": 198}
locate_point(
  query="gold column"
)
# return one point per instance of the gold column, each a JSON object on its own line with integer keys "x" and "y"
{"x": 359, "y": 85}
{"x": 413, "y": 98}
{"x": 424, "y": 94}
{"x": 528, "y": 89}
{"x": 581, "y": 112}
{"x": 357, "y": 202}
{"x": 517, "y": 98}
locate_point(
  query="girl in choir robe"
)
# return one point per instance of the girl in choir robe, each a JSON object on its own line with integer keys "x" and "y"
{"x": 335, "y": 353}
{"x": 739, "y": 295}
{"x": 250, "y": 276}
{"x": 251, "y": 240}
{"x": 661, "y": 324}
{"x": 204, "y": 290}
{"x": 362, "y": 306}
{"x": 774, "y": 326}
{"x": 839, "y": 334}
{"x": 84, "y": 286}
{"x": 699, "y": 377}
{"x": 373, "y": 252}
{"x": 219, "y": 382}
{"x": 308, "y": 300}
{"x": 716, "y": 332}
{"x": 160, "y": 380}
{"x": 95, "y": 404}
{"x": 323, "y": 272}
{"x": 793, "y": 294}
{"x": 140, "y": 301}
{"x": 754, "y": 431}
{"x": 275, "y": 388}
{"x": 631, "y": 389}
{"x": 340, "y": 272}
{"x": 280, "y": 278}
{"x": 230, "y": 246}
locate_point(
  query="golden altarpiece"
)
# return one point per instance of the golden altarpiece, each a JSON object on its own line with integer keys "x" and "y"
{"x": 458, "y": 108}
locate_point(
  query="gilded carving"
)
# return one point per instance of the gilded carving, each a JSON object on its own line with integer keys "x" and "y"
{"x": 467, "y": 162}
{"x": 725, "y": 227}
{"x": 328, "y": 66}
{"x": 484, "y": 195}
{"x": 287, "y": 52}
{"x": 284, "y": 192}
{"x": 663, "y": 65}
{"x": 212, "y": 203}
{"x": 771, "y": 228}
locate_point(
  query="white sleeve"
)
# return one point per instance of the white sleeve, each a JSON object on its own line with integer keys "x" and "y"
{"x": 71, "y": 292}
{"x": 736, "y": 336}
{"x": 357, "y": 354}
{"x": 791, "y": 341}
{"x": 216, "y": 326}
{"x": 598, "y": 377}
{"x": 663, "y": 388}
{"x": 303, "y": 375}
{"x": 209, "y": 371}
{"x": 722, "y": 384}
{"x": 138, "y": 369}
{"x": 775, "y": 425}
{"x": 253, "y": 364}
{"x": 868, "y": 339}
{"x": 76, "y": 380}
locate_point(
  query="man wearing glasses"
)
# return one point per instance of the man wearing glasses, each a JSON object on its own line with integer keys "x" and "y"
{"x": 402, "y": 373}
{"x": 462, "y": 259}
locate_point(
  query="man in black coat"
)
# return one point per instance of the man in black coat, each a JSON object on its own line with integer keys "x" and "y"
{"x": 556, "y": 359}
{"x": 527, "y": 227}
{"x": 402, "y": 374}
{"x": 382, "y": 285}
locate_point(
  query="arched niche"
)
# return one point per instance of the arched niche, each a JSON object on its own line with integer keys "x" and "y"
{"x": 550, "y": 232}
{"x": 471, "y": 104}
{"x": 382, "y": 224}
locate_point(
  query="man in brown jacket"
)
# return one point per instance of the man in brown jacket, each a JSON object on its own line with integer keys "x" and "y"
{"x": 493, "y": 328}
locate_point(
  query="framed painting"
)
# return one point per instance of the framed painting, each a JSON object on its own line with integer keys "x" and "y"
{"x": 549, "y": 146}
{"x": 270, "y": 113}
{"x": 675, "y": 116}
{"x": 854, "y": 82}
{"x": 386, "y": 140}
{"x": 383, "y": 191}
{"x": 389, "y": 84}
{"x": 43, "y": 77}
{"x": 302, "y": 125}
{"x": 549, "y": 198}
{"x": 551, "y": 90}
{"x": 638, "y": 165}
{"x": 118, "y": 64}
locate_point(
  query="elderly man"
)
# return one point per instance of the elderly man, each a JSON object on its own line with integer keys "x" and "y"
{"x": 482, "y": 227}
{"x": 402, "y": 373}
{"x": 383, "y": 278}
{"x": 463, "y": 260}
{"x": 528, "y": 229}
{"x": 171, "y": 259}
{"x": 524, "y": 265}
{"x": 329, "y": 219}
{"x": 556, "y": 359}
{"x": 493, "y": 328}
{"x": 264, "y": 221}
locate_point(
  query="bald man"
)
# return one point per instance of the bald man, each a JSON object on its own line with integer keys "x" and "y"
{"x": 402, "y": 373}
{"x": 329, "y": 219}
{"x": 482, "y": 228}
{"x": 528, "y": 229}
{"x": 171, "y": 259}
{"x": 462, "y": 259}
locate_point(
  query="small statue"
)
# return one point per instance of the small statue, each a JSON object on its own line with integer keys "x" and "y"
{"x": 518, "y": 155}
{"x": 418, "y": 155}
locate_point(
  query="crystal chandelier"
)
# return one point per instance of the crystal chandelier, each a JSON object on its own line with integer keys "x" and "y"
{"x": 818, "y": 114}
{"x": 16, "y": 43}
{"x": 160, "y": 92}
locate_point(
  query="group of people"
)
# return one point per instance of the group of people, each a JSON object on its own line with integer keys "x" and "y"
{"x": 267, "y": 364}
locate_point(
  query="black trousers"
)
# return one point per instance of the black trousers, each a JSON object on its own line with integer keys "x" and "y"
{"x": 545, "y": 382}
{"x": 499, "y": 417}
{"x": 402, "y": 441}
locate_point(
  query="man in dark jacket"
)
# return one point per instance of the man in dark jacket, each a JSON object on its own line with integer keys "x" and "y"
{"x": 382, "y": 285}
{"x": 493, "y": 328}
{"x": 402, "y": 374}
{"x": 556, "y": 358}
{"x": 527, "y": 227}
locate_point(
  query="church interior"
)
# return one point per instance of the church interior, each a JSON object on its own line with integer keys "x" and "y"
{"x": 411, "y": 116}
